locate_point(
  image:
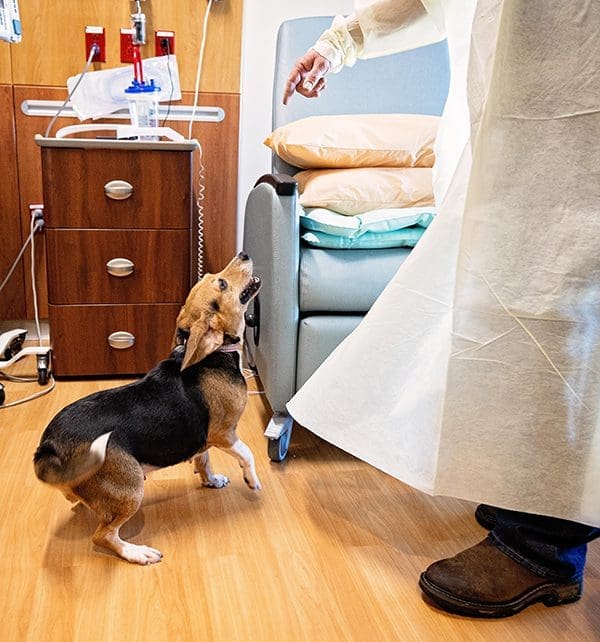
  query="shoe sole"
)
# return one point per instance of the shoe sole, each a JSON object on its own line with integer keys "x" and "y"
{"x": 550, "y": 594}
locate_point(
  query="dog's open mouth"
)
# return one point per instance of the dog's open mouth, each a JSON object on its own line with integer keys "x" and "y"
{"x": 250, "y": 290}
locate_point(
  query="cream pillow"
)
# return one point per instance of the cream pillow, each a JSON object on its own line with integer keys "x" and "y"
{"x": 359, "y": 190}
{"x": 367, "y": 140}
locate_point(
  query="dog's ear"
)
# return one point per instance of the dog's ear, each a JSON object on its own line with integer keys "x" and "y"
{"x": 202, "y": 341}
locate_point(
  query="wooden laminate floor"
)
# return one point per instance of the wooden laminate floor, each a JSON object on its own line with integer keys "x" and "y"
{"x": 330, "y": 550}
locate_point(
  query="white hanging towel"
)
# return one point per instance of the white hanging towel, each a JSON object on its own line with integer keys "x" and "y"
{"x": 476, "y": 374}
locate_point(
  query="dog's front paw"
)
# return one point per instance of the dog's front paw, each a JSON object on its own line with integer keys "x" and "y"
{"x": 253, "y": 483}
{"x": 140, "y": 554}
{"x": 217, "y": 481}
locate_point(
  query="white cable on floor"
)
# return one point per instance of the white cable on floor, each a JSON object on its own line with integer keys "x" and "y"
{"x": 10, "y": 377}
{"x": 41, "y": 393}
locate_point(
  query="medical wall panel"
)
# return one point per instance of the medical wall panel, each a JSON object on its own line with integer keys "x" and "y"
{"x": 53, "y": 45}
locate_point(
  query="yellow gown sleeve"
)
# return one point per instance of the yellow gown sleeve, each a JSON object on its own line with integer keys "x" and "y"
{"x": 381, "y": 27}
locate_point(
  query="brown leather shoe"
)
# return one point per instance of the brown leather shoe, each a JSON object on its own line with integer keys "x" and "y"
{"x": 484, "y": 582}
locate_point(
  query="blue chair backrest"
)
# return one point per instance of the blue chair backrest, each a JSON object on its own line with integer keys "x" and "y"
{"x": 412, "y": 82}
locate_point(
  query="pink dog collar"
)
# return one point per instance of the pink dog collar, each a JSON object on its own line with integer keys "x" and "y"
{"x": 230, "y": 347}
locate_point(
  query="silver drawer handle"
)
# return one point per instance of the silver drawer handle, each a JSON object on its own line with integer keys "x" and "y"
{"x": 120, "y": 267}
{"x": 121, "y": 340}
{"x": 118, "y": 190}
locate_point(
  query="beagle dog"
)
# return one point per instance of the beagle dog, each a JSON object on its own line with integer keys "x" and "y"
{"x": 97, "y": 449}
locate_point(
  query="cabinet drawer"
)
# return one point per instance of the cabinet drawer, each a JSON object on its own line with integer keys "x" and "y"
{"x": 79, "y": 336}
{"x": 75, "y": 181}
{"x": 79, "y": 269}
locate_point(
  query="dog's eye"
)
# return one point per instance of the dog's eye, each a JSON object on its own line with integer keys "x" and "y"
{"x": 215, "y": 306}
{"x": 223, "y": 284}
{"x": 182, "y": 336}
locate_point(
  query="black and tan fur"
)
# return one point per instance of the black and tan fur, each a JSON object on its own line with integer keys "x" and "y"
{"x": 97, "y": 449}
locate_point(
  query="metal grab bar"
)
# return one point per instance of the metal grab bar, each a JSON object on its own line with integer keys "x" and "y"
{"x": 179, "y": 113}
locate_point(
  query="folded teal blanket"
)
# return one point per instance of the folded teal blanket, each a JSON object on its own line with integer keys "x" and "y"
{"x": 405, "y": 237}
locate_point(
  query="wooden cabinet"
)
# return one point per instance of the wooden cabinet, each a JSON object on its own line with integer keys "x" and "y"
{"x": 118, "y": 231}
{"x": 219, "y": 159}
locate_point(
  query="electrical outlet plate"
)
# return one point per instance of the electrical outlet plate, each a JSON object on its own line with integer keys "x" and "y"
{"x": 95, "y": 36}
{"x": 159, "y": 38}
{"x": 127, "y": 45}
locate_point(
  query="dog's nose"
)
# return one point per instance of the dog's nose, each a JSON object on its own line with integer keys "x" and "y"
{"x": 242, "y": 256}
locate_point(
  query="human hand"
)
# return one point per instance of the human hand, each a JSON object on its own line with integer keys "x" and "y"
{"x": 307, "y": 76}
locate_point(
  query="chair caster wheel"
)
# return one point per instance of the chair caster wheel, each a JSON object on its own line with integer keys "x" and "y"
{"x": 43, "y": 364}
{"x": 278, "y": 448}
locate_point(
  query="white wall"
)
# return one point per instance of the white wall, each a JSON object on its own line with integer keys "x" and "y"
{"x": 261, "y": 21}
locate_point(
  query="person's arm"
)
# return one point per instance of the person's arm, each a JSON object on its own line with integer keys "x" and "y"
{"x": 376, "y": 28}
{"x": 391, "y": 26}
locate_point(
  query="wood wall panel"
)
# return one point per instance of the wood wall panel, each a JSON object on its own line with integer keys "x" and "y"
{"x": 53, "y": 46}
{"x": 12, "y": 303}
{"x": 220, "y": 159}
{"x": 5, "y": 70}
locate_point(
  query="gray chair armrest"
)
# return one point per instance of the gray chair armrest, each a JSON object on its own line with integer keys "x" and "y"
{"x": 272, "y": 239}
{"x": 283, "y": 184}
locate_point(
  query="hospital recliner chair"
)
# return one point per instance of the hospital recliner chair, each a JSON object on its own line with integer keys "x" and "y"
{"x": 312, "y": 298}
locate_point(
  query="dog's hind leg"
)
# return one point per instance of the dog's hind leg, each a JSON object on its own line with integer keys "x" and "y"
{"x": 202, "y": 467}
{"x": 107, "y": 536}
{"x": 115, "y": 494}
{"x": 243, "y": 454}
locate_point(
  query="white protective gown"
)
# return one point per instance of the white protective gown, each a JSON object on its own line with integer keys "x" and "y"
{"x": 476, "y": 374}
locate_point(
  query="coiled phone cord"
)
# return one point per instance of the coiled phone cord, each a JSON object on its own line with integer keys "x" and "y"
{"x": 200, "y": 216}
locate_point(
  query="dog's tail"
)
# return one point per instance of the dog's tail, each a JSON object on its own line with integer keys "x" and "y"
{"x": 54, "y": 468}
